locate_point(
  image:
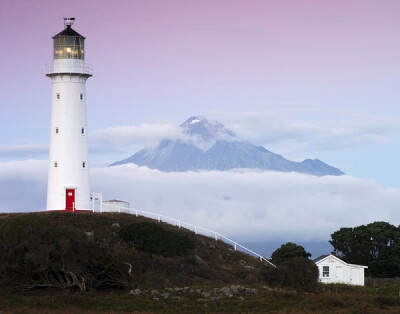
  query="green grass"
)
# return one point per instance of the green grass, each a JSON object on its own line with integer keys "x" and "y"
{"x": 265, "y": 301}
{"x": 392, "y": 290}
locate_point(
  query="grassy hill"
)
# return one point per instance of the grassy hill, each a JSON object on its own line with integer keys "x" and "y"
{"x": 91, "y": 251}
{"x": 88, "y": 262}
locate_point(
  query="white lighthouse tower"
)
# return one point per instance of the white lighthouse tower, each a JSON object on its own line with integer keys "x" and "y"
{"x": 68, "y": 182}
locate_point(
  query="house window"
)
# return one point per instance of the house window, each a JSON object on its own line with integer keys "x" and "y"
{"x": 57, "y": 130}
{"x": 325, "y": 271}
{"x": 55, "y": 164}
{"x": 84, "y": 164}
{"x": 83, "y": 131}
{"x": 81, "y": 96}
{"x": 58, "y": 96}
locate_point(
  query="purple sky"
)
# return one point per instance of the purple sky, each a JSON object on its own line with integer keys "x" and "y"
{"x": 328, "y": 66}
{"x": 306, "y": 79}
{"x": 311, "y": 61}
{"x": 184, "y": 57}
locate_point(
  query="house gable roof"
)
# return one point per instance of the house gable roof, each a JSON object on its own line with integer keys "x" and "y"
{"x": 322, "y": 258}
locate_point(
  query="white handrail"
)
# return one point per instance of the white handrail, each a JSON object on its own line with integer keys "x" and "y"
{"x": 180, "y": 224}
{"x": 80, "y": 68}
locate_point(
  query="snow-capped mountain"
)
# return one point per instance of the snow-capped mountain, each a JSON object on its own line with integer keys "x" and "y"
{"x": 211, "y": 146}
{"x": 205, "y": 130}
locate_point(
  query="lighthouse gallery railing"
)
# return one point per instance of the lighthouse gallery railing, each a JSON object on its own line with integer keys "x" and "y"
{"x": 70, "y": 66}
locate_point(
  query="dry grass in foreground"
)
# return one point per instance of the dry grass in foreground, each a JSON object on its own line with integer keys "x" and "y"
{"x": 265, "y": 300}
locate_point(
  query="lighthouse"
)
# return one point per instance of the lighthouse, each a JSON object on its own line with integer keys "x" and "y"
{"x": 68, "y": 179}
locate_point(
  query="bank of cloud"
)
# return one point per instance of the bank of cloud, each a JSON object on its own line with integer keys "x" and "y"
{"x": 247, "y": 205}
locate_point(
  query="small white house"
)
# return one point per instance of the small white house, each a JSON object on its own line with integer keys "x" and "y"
{"x": 115, "y": 206}
{"x": 334, "y": 270}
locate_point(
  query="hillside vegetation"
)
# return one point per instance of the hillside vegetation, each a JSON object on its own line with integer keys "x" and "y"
{"x": 89, "y": 251}
{"x": 85, "y": 262}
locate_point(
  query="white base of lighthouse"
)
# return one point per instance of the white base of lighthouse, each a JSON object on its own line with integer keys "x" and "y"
{"x": 68, "y": 179}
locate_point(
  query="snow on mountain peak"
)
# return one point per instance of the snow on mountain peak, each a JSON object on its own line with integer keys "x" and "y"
{"x": 194, "y": 121}
{"x": 205, "y": 130}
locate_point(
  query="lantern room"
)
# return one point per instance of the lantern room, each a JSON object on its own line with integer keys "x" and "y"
{"x": 69, "y": 44}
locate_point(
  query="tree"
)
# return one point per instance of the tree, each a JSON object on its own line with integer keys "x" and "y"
{"x": 376, "y": 245}
{"x": 151, "y": 238}
{"x": 294, "y": 269}
{"x": 287, "y": 252}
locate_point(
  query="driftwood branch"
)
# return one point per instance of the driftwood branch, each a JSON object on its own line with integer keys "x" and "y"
{"x": 60, "y": 279}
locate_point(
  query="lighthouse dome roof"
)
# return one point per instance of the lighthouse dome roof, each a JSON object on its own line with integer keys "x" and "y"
{"x": 68, "y": 31}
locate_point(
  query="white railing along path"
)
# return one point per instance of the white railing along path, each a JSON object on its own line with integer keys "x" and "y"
{"x": 179, "y": 223}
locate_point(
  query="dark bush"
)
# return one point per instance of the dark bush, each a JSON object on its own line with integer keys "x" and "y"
{"x": 287, "y": 252}
{"x": 298, "y": 273}
{"x": 151, "y": 238}
{"x": 36, "y": 254}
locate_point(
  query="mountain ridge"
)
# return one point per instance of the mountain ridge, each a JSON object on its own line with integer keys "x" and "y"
{"x": 211, "y": 146}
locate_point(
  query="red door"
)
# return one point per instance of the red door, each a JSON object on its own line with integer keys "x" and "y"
{"x": 69, "y": 200}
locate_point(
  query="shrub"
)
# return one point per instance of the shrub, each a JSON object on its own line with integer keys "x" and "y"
{"x": 288, "y": 251}
{"x": 36, "y": 254}
{"x": 298, "y": 273}
{"x": 153, "y": 239}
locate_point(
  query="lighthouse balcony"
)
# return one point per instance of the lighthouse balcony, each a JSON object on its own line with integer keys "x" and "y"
{"x": 69, "y": 66}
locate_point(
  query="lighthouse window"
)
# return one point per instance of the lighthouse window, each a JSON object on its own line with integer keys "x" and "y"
{"x": 55, "y": 164}
{"x": 84, "y": 164}
{"x": 58, "y": 96}
{"x": 68, "y": 47}
{"x": 57, "y": 130}
{"x": 81, "y": 96}
{"x": 83, "y": 131}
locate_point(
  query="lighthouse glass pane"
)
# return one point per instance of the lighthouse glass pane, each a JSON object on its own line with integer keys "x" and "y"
{"x": 69, "y": 47}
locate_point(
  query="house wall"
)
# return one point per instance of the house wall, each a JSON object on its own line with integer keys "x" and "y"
{"x": 115, "y": 206}
{"x": 340, "y": 272}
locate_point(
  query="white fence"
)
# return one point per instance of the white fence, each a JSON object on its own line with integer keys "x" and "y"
{"x": 198, "y": 230}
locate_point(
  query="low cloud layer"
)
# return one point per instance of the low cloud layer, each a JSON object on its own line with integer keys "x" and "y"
{"x": 296, "y": 133}
{"x": 23, "y": 185}
{"x": 24, "y": 151}
{"x": 246, "y": 205}
{"x": 127, "y": 138}
{"x": 254, "y": 205}
{"x": 309, "y": 129}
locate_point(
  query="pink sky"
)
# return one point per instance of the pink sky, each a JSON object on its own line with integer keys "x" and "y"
{"x": 304, "y": 78}
{"x": 168, "y": 60}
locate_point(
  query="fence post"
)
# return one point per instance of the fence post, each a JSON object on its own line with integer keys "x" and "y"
{"x": 215, "y": 235}
{"x": 158, "y": 217}
{"x": 235, "y": 246}
{"x": 179, "y": 223}
{"x": 137, "y": 214}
